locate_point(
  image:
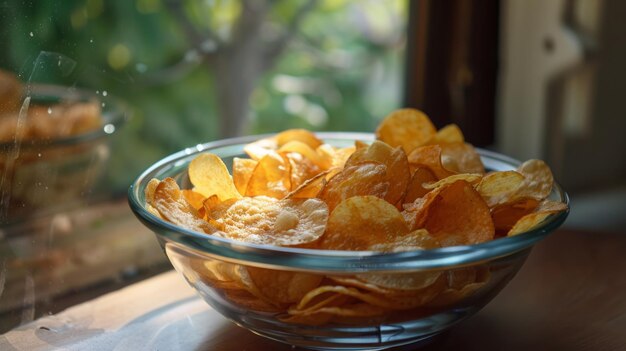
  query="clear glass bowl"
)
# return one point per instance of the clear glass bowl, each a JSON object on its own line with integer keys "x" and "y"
{"x": 43, "y": 176}
{"x": 470, "y": 276}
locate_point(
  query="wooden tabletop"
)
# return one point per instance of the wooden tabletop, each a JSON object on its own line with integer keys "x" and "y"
{"x": 570, "y": 295}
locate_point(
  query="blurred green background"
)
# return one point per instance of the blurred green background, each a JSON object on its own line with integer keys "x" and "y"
{"x": 196, "y": 71}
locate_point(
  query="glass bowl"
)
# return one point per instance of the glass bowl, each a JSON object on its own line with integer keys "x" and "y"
{"x": 43, "y": 176}
{"x": 236, "y": 278}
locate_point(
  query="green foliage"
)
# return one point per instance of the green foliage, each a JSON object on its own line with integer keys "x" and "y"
{"x": 341, "y": 71}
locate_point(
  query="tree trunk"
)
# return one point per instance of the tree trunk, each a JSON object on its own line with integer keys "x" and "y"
{"x": 235, "y": 78}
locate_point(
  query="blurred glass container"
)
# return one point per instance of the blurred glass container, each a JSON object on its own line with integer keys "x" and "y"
{"x": 47, "y": 171}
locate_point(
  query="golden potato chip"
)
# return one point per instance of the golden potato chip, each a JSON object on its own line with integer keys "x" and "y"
{"x": 448, "y": 135}
{"x": 430, "y": 157}
{"x": 360, "y": 222}
{"x": 306, "y": 151}
{"x": 532, "y": 220}
{"x": 150, "y": 189}
{"x": 359, "y": 144}
{"x": 334, "y": 157}
{"x": 365, "y": 178}
{"x": 149, "y": 193}
{"x": 271, "y": 177}
{"x": 461, "y": 283}
{"x": 268, "y": 221}
{"x": 471, "y": 178}
{"x": 538, "y": 179}
{"x": 415, "y": 189}
{"x": 258, "y": 149}
{"x": 172, "y": 206}
{"x": 302, "y": 169}
{"x": 459, "y": 216}
{"x": 300, "y": 135}
{"x": 506, "y": 215}
{"x": 249, "y": 302}
{"x": 311, "y": 187}
{"x": 499, "y": 187}
{"x": 401, "y": 281}
{"x": 193, "y": 198}
{"x": 461, "y": 158}
{"x": 242, "y": 172}
{"x": 408, "y": 128}
{"x": 415, "y": 213}
{"x": 282, "y": 286}
{"x": 209, "y": 176}
{"x": 398, "y": 173}
{"x": 418, "y": 239}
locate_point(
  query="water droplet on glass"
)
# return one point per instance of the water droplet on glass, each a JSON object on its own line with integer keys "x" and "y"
{"x": 31, "y": 34}
{"x": 109, "y": 129}
{"x": 103, "y": 104}
{"x": 49, "y": 110}
{"x": 104, "y": 93}
{"x": 97, "y": 92}
{"x": 91, "y": 40}
{"x": 39, "y": 154}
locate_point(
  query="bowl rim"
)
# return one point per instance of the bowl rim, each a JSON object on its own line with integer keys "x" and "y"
{"x": 115, "y": 113}
{"x": 329, "y": 260}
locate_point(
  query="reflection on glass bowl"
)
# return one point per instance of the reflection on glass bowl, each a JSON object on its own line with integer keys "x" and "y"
{"x": 56, "y": 151}
{"x": 261, "y": 288}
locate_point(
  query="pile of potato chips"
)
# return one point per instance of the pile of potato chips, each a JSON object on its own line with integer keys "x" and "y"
{"x": 414, "y": 188}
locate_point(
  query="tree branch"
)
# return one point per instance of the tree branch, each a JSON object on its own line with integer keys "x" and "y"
{"x": 278, "y": 45}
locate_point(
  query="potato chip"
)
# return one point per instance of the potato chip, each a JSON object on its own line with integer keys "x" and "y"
{"x": 398, "y": 173}
{"x": 538, "y": 179}
{"x": 415, "y": 213}
{"x": 408, "y": 128}
{"x": 258, "y": 149}
{"x": 418, "y": 239}
{"x": 334, "y": 157}
{"x": 461, "y": 158}
{"x": 306, "y": 151}
{"x": 242, "y": 172}
{"x": 415, "y": 189}
{"x": 365, "y": 178}
{"x": 430, "y": 157}
{"x": 360, "y": 222}
{"x": 247, "y": 301}
{"x": 401, "y": 281}
{"x": 300, "y": 135}
{"x": 471, "y": 178}
{"x": 448, "y": 135}
{"x": 172, "y": 206}
{"x": 271, "y": 177}
{"x": 282, "y": 286}
{"x": 311, "y": 187}
{"x": 149, "y": 194}
{"x": 499, "y": 187}
{"x": 209, "y": 176}
{"x": 302, "y": 169}
{"x": 393, "y": 302}
{"x": 459, "y": 216}
{"x": 193, "y": 198}
{"x": 462, "y": 283}
{"x": 268, "y": 221}
{"x": 359, "y": 144}
{"x": 541, "y": 213}
{"x": 506, "y": 215}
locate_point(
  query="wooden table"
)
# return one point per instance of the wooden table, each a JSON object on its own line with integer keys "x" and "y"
{"x": 570, "y": 295}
